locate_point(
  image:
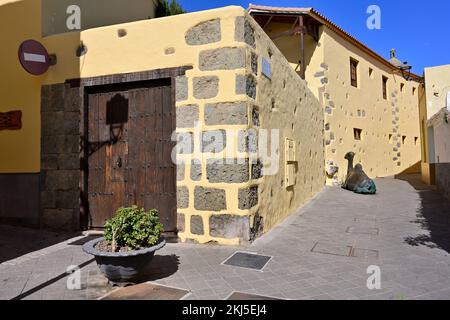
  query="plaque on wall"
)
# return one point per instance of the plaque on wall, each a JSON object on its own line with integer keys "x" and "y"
{"x": 266, "y": 68}
{"x": 11, "y": 120}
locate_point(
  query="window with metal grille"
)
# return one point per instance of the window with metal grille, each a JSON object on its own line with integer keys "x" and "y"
{"x": 354, "y": 72}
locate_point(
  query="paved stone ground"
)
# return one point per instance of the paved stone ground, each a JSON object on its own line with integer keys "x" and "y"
{"x": 404, "y": 230}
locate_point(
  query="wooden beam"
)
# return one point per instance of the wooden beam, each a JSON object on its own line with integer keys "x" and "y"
{"x": 302, "y": 47}
{"x": 267, "y": 22}
{"x": 291, "y": 32}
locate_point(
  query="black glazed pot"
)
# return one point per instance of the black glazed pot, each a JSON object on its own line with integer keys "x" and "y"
{"x": 122, "y": 267}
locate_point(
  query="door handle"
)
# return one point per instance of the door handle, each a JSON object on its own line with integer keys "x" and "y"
{"x": 119, "y": 162}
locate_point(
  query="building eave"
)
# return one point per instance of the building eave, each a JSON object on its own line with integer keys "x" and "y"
{"x": 257, "y": 9}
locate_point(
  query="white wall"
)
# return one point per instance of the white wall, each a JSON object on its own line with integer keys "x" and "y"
{"x": 441, "y": 138}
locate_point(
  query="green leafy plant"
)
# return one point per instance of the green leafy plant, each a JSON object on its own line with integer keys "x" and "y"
{"x": 166, "y": 8}
{"x": 133, "y": 227}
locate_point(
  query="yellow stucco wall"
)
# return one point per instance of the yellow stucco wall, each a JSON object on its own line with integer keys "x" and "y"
{"x": 347, "y": 107}
{"x": 20, "y": 21}
{"x": 21, "y": 91}
{"x": 161, "y": 43}
{"x": 365, "y": 108}
{"x": 290, "y": 47}
{"x": 144, "y": 48}
{"x": 437, "y": 81}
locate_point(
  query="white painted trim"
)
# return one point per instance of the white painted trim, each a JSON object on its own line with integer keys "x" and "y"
{"x": 31, "y": 57}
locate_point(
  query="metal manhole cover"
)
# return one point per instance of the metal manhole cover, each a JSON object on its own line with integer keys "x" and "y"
{"x": 247, "y": 260}
{"x": 248, "y": 296}
{"x": 147, "y": 291}
{"x": 363, "y": 230}
{"x": 332, "y": 249}
{"x": 364, "y": 253}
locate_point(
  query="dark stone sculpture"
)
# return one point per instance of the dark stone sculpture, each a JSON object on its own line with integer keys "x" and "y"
{"x": 357, "y": 180}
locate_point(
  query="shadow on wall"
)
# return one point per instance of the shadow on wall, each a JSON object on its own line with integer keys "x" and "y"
{"x": 415, "y": 168}
{"x": 433, "y": 216}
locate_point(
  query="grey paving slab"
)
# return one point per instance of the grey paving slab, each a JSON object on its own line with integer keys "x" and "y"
{"x": 406, "y": 224}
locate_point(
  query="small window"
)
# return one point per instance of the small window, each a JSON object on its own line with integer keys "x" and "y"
{"x": 416, "y": 140}
{"x": 370, "y": 72}
{"x": 414, "y": 91}
{"x": 385, "y": 93}
{"x": 354, "y": 72}
{"x": 357, "y": 133}
{"x": 390, "y": 138}
{"x": 404, "y": 139}
{"x": 402, "y": 85}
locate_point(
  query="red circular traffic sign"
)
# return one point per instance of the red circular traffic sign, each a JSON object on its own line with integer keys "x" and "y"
{"x": 34, "y": 57}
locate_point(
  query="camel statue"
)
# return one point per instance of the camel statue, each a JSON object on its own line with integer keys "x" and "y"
{"x": 357, "y": 180}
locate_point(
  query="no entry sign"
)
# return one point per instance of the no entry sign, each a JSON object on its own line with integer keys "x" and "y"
{"x": 34, "y": 57}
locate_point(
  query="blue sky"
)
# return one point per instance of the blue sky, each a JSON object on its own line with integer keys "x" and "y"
{"x": 419, "y": 30}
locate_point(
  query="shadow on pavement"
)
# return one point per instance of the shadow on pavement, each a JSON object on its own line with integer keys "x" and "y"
{"x": 433, "y": 215}
{"x": 18, "y": 241}
{"x": 161, "y": 267}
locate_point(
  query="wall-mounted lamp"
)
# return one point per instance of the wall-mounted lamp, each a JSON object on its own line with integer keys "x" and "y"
{"x": 406, "y": 71}
{"x": 81, "y": 50}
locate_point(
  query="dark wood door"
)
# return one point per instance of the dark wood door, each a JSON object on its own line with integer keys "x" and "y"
{"x": 130, "y": 151}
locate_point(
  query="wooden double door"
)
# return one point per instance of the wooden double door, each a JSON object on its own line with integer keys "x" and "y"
{"x": 129, "y": 151}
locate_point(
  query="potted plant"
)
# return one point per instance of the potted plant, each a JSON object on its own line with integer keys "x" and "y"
{"x": 130, "y": 240}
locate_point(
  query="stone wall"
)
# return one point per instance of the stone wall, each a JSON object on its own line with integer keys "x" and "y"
{"x": 223, "y": 195}
{"x": 233, "y": 202}
{"x": 61, "y": 108}
{"x": 280, "y": 102}
{"x": 212, "y": 109}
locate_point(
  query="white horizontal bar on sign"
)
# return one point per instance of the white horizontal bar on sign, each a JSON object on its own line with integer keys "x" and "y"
{"x": 31, "y": 57}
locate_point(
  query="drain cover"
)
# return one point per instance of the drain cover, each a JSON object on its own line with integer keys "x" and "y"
{"x": 332, "y": 249}
{"x": 247, "y": 260}
{"x": 146, "y": 291}
{"x": 363, "y": 230}
{"x": 248, "y": 296}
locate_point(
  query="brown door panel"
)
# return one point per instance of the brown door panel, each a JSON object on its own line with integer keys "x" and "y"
{"x": 134, "y": 168}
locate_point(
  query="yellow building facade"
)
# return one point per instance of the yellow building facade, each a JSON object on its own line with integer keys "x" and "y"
{"x": 226, "y": 77}
{"x": 372, "y": 110}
